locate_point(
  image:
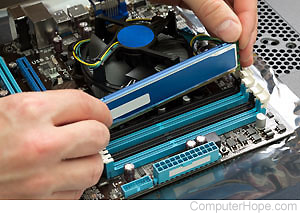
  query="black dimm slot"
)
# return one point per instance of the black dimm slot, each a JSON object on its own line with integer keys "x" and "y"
{"x": 142, "y": 122}
{"x": 185, "y": 130}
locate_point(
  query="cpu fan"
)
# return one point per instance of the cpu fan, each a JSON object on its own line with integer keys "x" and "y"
{"x": 135, "y": 49}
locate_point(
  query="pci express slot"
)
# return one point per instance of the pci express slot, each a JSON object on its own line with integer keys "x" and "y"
{"x": 30, "y": 75}
{"x": 7, "y": 78}
{"x": 184, "y": 162}
{"x": 200, "y": 97}
{"x": 113, "y": 168}
{"x": 146, "y": 94}
{"x": 146, "y": 134}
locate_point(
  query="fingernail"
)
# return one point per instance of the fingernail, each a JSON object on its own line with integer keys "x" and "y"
{"x": 229, "y": 31}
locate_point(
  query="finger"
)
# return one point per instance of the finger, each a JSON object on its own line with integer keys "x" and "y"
{"x": 230, "y": 3}
{"x": 246, "y": 55}
{"x": 246, "y": 10}
{"x": 77, "y": 174}
{"x": 66, "y": 195}
{"x": 179, "y": 3}
{"x": 218, "y": 18}
{"x": 73, "y": 105}
{"x": 82, "y": 139}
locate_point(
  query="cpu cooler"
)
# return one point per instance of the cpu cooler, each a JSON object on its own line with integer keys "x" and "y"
{"x": 130, "y": 51}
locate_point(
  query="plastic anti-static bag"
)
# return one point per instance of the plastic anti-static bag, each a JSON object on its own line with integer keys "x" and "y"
{"x": 271, "y": 172}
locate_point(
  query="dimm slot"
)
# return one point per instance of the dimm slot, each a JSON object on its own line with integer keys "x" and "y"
{"x": 178, "y": 144}
{"x": 177, "y": 122}
{"x": 182, "y": 131}
{"x": 211, "y": 93}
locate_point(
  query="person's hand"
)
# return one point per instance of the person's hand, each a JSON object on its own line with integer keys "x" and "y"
{"x": 231, "y": 21}
{"x": 49, "y": 144}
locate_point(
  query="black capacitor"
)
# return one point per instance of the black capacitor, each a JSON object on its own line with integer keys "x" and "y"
{"x": 81, "y": 26}
{"x": 129, "y": 171}
{"x": 58, "y": 44}
{"x": 87, "y": 32}
{"x": 64, "y": 56}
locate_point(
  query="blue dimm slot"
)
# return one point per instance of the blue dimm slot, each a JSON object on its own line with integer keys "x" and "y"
{"x": 185, "y": 162}
{"x": 176, "y": 145}
{"x": 8, "y": 79}
{"x": 28, "y": 72}
{"x": 178, "y": 121}
{"x": 136, "y": 186}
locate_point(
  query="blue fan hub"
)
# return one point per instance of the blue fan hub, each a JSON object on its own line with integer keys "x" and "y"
{"x": 136, "y": 36}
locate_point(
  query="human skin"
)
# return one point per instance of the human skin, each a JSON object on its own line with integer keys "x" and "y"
{"x": 50, "y": 143}
{"x": 230, "y": 20}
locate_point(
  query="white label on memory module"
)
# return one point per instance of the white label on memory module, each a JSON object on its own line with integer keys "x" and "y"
{"x": 130, "y": 106}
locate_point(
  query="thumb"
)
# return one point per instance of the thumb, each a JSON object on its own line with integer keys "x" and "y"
{"x": 218, "y": 18}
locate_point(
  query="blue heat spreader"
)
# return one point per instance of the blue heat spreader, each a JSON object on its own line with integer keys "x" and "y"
{"x": 171, "y": 82}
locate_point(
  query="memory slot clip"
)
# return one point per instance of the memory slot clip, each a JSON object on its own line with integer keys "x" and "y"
{"x": 30, "y": 75}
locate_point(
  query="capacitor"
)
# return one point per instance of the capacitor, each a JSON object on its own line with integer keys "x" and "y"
{"x": 190, "y": 144}
{"x": 200, "y": 140}
{"x": 58, "y": 44}
{"x": 3, "y": 93}
{"x": 12, "y": 65}
{"x": 64, "y": 56}
{"x": 87, "y": 32}
{"x": 186, "y": 99}
{"x": 261, "y": 121}
{"x": 81, "y": 26}
{"x": 129, "y": 171}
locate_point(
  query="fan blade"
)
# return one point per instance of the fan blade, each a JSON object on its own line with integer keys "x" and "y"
{"x": 96, "y": 47}
{"x": 141, "y": 72}
{"x": 172, "y": 47}
{"x": 116, "y": 72}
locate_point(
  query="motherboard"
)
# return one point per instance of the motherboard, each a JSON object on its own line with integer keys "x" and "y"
{"x": 180, "y": 101}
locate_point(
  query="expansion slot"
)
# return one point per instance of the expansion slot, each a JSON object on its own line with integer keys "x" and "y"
{"x": 30, "y": 75}
{"x": 177, "y": 122}
{"x": 195, "y": 72}
{"x": 8, "y": 79}
{"x": 178, "y": 144}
